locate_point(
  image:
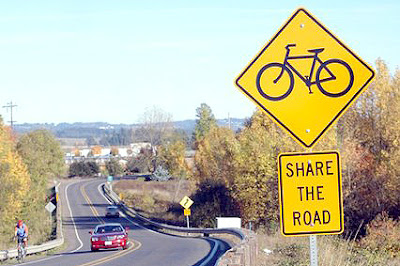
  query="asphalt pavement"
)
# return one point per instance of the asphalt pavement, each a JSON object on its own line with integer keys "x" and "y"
{"x": 83, "y": 207}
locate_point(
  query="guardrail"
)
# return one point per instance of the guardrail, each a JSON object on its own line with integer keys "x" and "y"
{"x": 245, "y": 256}
{"x": 13, "y": 253}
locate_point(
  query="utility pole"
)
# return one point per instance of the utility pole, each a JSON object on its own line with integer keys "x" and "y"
{"x": 11, "y": 106}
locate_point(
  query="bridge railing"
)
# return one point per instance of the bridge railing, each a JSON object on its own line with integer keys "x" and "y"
{"x": 242, "y": 254}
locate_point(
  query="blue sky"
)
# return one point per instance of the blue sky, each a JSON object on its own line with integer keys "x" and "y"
{"x": 87, "y": 61}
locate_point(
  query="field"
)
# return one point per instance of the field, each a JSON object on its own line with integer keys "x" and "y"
{"x": 156, "y": 200}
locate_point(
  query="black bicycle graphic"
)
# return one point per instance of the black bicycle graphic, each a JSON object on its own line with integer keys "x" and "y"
{"x": 287, "y": 67}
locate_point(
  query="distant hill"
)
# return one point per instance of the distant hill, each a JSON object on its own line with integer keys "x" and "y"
{"x": 82, "y": 130}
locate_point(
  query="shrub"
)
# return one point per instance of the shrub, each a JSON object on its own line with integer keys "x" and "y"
{"x": 383, "y": 234}
{"x": 161, "y": 174}
{"x": 114, "y": 168}
{"x": 212, "y": 199}
{"x": 83, "y": 169}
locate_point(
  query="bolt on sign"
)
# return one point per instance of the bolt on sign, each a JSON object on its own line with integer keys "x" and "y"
{"x": 186, "y": 202}
{"x": 310, "y": 193}
{"x": 305, "y": 78}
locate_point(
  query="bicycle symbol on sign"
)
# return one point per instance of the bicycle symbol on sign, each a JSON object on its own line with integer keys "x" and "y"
{"x": 289, "y": 69}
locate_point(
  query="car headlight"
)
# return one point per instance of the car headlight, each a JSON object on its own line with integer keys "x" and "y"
{"x": 95, "y": 239}
{"x": 120, "y": 237}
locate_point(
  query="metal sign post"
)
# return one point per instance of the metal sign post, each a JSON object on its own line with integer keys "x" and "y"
{"x": 313, "y": 241}
{"x": 313, "y": 251}
{"x": 187, "y": 213}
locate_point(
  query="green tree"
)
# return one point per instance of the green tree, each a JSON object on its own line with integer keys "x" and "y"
{"x": 114, "y": 168}
{"x": 42, "y": 154}
{"x": 83, "y": 169}
{"x": 205, "y": 121}
{"x": 142, "y": 163}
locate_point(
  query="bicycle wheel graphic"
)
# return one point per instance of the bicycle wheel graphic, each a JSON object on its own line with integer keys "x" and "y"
{"x": 274, "y": 72}
{"x": 331, "y": 64}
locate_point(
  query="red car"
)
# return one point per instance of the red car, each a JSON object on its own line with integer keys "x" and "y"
{"x": 110, "y": 235}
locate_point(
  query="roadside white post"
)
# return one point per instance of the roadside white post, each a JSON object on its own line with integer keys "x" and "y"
{"x": 187, "y": 220}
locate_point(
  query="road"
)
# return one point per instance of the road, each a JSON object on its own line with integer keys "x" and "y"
{"x": 83, "y": 206}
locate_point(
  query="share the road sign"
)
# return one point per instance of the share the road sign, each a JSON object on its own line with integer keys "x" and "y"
{"x": 186, "y": 202}
{"x": 305, "y": 78}
{"x": 310, "y": 193}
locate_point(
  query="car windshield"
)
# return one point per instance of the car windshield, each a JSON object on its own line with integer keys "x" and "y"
{"x": 112, "y": 207}
{"x": 108, "y": 229}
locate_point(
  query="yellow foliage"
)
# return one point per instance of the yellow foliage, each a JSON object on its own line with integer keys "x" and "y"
{"x": 172, "y": 154}
{"x": 96, "y": 150}
{"x": 14, "y": 184}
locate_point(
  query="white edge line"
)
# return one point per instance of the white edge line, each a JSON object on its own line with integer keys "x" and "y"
{"x": 212, "y": 254}
{"x": 126, "y": 217}
{"x": 73, "y": 220}
{"x": 62, "y": 234}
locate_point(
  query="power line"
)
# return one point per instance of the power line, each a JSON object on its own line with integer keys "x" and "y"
{"x": 10, "y": 106}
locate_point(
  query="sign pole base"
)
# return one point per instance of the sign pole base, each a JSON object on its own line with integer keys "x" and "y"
{"x": 313, "y": 251}
{"x": 187, "y": 220}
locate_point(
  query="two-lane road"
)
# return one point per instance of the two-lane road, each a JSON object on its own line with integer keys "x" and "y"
{"x": 83, "y": 207}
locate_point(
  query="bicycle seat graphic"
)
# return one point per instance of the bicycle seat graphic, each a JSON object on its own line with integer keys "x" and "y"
{"x": 326, "y": 67}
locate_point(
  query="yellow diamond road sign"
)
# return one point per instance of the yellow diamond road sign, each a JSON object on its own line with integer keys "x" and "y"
{"x": 305, "y": 78}
{"x": 186, "y": 202}
{"x": 310, "y": 193}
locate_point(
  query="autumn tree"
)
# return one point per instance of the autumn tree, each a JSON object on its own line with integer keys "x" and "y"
{"x": 214, "y": 158}
{"x": 370, "y": 150}
{"x": 96, "y": 150}
{"x": 172, "y": 156}
{"x": 114, "y": 151}
{"x": 44, "y": 159}
{"x": 15, "y": 185}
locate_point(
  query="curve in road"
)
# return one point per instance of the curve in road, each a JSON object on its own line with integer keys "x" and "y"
{"x": 85, "y": 202}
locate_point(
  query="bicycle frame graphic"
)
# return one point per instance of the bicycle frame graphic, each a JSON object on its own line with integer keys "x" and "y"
{"x": 287, "y": 67}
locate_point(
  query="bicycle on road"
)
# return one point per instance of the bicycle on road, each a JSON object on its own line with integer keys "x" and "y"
{"x": 21, "y": 249}
{"x": 288, "y": 68}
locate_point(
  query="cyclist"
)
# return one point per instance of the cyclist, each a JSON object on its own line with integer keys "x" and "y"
{"x": 21, "y": 231}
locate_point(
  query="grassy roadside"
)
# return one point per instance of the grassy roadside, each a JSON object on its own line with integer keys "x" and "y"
{"x": 160, "y": 201}
{"x": 332, "y": 251}
{"x": 156, "y": 200}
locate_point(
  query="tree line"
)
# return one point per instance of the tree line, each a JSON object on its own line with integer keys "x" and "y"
{"x": 238, "y": 170}
{"x": 27, "y": 164}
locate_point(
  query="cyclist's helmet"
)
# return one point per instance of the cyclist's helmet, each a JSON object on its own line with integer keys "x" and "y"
{"x": 20, "y": 222}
